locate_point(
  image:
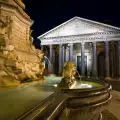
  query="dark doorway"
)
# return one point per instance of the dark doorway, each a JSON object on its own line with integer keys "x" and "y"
{"x": 101, "y": 64}
{"x": 79, "y": 64}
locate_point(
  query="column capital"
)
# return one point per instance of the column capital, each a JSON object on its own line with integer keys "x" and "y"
{"x": 94, "y": 43}
{"x": 60, "y": 45}
{"x": 82, "y": 43}
{"x": 106, "y": 43}
{"x": 50, "y": 46}
{"x": 70, "y": 43}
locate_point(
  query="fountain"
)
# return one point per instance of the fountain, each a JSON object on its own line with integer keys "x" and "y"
{"x": 74, "y": 99}
{"x": 69, "y": 81}
{"x": 82, "y": 85}
{"x": 19, "y": 59}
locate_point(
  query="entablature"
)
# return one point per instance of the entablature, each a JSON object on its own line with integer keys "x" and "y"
{"x": 101, "y": 36}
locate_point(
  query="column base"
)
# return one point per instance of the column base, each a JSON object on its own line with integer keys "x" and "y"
{"x": 94, "y": 77}
{"x": 50, "y": 68}
{"x": 107, "y": 78}
{"x": 88, "y": 76}
{"x": 83, "y": 77}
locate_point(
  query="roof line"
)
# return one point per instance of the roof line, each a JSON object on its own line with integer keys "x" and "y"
{"x": 80, "y": 19}
{"x": 100, "y": 23}
{"x": 56, "y": 27}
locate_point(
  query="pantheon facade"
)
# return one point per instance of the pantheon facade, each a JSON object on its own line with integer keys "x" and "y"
{"x": 92, "y": 46}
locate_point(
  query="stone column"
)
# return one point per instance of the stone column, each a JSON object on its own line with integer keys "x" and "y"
{"x": 119, "y": 58}
{"x": 51, "y": 53}
{"x": 51, "y": 59}
{"x": 42, "y": 48}
{"x": 107, "y": 68}
{"x": 71, "y": 52}
{"x": 94, "y": 60}
{"x": 65, "y": 49}
{"x": 63, "y": 55}
{"x": 60, "y": 58}
{"x": 82, "y": 60}
{"x": 112, "y": 59}
{"x": 67, "y": 54}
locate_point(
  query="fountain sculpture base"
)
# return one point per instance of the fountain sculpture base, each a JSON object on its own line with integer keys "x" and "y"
{"x": 67, "y": 83}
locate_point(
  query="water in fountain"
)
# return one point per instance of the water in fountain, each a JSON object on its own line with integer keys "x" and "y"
{"x": 49, "y": 64}
{"x": 81, "y": 85}
{"x": 79, "y": 76}
{"x": 47, "y": 59}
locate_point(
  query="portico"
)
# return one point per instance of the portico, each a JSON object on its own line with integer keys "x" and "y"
{"x": 78, "y": 41}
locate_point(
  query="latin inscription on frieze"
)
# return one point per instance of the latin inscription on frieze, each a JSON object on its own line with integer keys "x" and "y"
{"x": 63, "y": 41}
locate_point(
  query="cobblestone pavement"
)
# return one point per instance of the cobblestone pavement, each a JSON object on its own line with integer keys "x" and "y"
{"x": 16, "y": 101}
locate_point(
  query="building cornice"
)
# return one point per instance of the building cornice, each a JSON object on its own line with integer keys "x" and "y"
{"x": 90, "y": 22}
{"x": 101, "y": 36}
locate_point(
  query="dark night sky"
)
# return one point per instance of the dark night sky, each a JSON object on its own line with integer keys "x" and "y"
{"x": 50, "y": 13}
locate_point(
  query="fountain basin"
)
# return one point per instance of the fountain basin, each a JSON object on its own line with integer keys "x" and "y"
{"x": 74, "y": 104}
{"x": 86, "y": 103}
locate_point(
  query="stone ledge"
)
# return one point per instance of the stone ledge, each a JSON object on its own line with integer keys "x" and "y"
{"x": 115, "y": 84}
{"x": 58, "y": 104}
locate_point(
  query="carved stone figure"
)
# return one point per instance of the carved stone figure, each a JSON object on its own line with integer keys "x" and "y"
{"x": 19, "y": 60}
{"x": 40, "y": 54}
{"x": 31, "y": 70}
{"x": 6, "y": 29}
{"x": 9, "y": 26}
{"x": 69, "y": 71}
{"x": 2, "y": 27}
{"x": 4, "y": 63}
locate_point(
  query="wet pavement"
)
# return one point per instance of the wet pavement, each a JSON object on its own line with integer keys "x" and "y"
{"x": 114, "y": 107}
{"x": 16, "y": 101}
{"x": 107, "y": 115}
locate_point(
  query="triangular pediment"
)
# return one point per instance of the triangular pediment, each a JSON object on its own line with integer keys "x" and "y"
{"x": 77, "y": 26}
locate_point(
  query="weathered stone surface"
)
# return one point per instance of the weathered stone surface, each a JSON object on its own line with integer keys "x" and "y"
{"x": 18, "y": 57}
{"x": 69, "y": 71}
